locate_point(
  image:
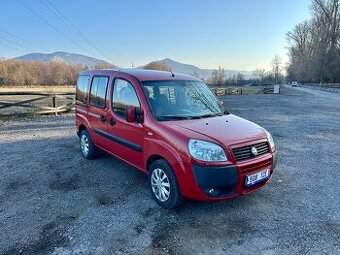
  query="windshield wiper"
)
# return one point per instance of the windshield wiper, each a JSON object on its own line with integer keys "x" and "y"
{"x": 211, "y": 115}
{"x": 181, "y": 117}
{"x": 173, "y": 117}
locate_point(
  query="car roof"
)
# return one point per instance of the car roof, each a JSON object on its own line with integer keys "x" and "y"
{"x": 141, "y": 74}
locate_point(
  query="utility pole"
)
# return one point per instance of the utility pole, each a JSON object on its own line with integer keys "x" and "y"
{"x": 276, "y": 74}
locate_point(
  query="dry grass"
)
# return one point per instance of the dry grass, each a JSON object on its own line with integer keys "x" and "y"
{"x": 252, "y": 90}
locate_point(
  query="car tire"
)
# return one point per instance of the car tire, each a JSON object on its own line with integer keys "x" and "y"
{"x": 163, "y": 185}
{"x": 87, "y": 148}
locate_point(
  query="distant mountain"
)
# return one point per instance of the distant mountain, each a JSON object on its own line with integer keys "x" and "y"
{"x": 178, "y": 67}
{"x": 70, "y": 58}
{"x": 78, "y": 59}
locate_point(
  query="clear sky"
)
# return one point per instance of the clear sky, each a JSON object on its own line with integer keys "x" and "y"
{"x": 234, "y": 34}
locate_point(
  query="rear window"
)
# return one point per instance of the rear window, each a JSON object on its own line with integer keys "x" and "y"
{"x": 98, "y": 91}
{"x": 82, "y": 83}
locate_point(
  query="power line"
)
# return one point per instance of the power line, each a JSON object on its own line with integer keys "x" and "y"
{"x": 67, "y": 21}
{"x": 51, "y": 25}
{"x": 20, "y": 38}
{"x": 74, "y": 28}
{"x": 15, "y": 43}
{"x": 10, "y": 47}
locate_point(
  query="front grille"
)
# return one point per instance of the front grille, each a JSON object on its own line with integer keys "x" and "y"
{"x": 244, "y": 153}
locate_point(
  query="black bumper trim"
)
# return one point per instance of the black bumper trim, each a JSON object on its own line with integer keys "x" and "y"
{"x": 274, "y": 160}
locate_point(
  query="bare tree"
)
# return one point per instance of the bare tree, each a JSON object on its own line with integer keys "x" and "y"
{"x": 104, "y": 66}
{"x": 314, "y": 45}
{"x": 239, "y": 78}
{"x": 259, "y": 75}
{"x": 277, "y": 68}
{"x": 217, "y": 77}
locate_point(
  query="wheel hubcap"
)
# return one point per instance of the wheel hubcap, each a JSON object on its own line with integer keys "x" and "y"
{"x": 160, "y": 185}
{"x": 84, "y": 145}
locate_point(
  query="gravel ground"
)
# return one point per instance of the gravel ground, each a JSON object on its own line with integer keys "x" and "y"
{"x": 52, "y": 201}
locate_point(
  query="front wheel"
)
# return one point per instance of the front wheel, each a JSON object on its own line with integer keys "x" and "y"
{"x": 163, "y": 184}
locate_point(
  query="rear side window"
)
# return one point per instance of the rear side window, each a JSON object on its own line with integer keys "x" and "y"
{"x": 98, "y": 91}
{"x": 82, "y": 83}
{"x": 123, "y": 96}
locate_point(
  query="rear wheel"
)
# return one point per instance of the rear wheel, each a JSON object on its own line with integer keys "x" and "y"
{"x": 163, "y": 185}
{"x": 87, "y": 148}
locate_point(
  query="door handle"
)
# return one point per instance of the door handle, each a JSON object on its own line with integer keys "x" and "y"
{"x": 102, "y": 118}
{"x": 112, "y": 121}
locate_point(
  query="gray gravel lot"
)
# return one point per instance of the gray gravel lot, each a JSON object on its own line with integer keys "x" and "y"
{"x": 52, "y": 201}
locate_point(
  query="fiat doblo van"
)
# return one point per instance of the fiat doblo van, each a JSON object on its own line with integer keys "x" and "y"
{"x": 174, "y": 129}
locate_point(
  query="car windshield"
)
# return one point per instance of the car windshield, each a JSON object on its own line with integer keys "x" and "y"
{"x": 181, "y": 99}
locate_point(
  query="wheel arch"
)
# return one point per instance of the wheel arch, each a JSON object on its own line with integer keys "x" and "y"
{"x": 156, "y": 149}
{"x": 152, "y": 159}
{"x": 80, "y": 129}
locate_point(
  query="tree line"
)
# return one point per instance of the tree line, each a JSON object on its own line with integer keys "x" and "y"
{"x": 220, "y": 77}
{"x": 314, "y": 45}
{"x": 58, "y": 73}
{"x": 258, "y": 77}
{"x": 31, "y": 73}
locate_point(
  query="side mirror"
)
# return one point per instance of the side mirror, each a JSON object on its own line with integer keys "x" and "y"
{"x": 131, "y": 114}
{"x": 134, "y": 114}
{"x": 139, "y": 115}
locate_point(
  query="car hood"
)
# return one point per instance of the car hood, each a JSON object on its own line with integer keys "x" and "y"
{"x": 226, "y": 130}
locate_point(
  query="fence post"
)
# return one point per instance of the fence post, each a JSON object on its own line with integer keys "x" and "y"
{"x": 54, "y": 103}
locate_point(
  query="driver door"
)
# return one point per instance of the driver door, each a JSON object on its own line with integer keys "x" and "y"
{"x": 126, "y": 138}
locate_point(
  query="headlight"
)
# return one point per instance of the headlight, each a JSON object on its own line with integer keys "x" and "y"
{"x": 206, "y": 151}
{"x": 270, "y": 140}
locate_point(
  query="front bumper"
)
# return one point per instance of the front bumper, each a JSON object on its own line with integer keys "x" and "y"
{"x": 216, "y": 181}
{"x": 223, "y": 182}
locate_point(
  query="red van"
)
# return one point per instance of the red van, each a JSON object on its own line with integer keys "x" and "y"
{"x": 172, "y": 128}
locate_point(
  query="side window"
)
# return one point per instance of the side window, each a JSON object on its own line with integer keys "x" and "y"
{"x": 98, "y": 91}
{"x": 82, "y": 83}
{"x": 123, "y": 96}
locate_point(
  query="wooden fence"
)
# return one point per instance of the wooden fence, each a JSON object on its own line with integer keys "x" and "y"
{"x": 54, "y": 103}
{"x": 268, "y": 90}
{"x": 227, "y": 91}
{"x": 37, "y": 102}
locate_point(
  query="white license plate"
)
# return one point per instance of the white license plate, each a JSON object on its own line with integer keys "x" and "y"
{"x": 257, "y": 177}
